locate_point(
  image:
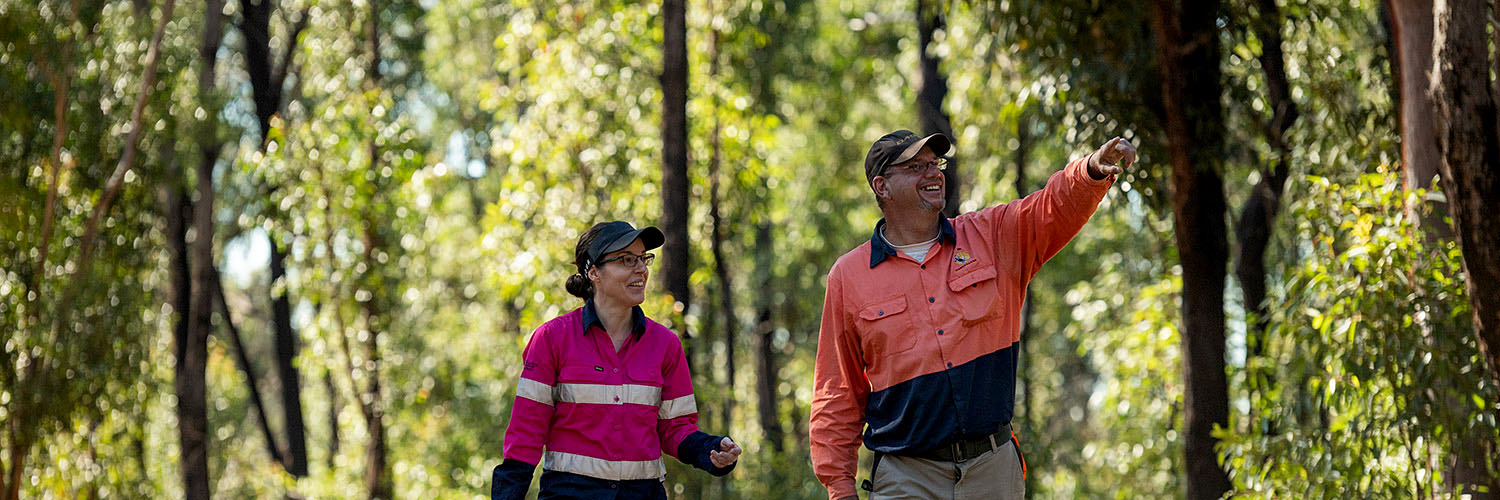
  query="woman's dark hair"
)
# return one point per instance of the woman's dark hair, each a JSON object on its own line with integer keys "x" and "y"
{"x": 579, "y": 283}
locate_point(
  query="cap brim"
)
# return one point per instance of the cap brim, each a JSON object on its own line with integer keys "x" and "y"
{"x": 649, "y": 236}
{"x": 939, "y": 143}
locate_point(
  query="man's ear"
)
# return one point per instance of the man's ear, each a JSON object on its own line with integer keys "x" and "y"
{"x": 879, "y": 186}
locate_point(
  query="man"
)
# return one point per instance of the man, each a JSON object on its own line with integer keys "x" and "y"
{"x": 917, "y": 348}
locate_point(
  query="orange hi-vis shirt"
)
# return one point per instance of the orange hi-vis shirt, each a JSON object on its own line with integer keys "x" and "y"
{"x": 915, "y": 355}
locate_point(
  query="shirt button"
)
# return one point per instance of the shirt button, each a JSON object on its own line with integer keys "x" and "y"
{"x": 924, "y": 266}
{"x": 617, "y": 399}
{"x": 881, "y": 313}
{"x": 932, "y": 299}
{"x": 940, "y": 332}
{"x": 617, "y": 370}
{"x": 950, "y": 365}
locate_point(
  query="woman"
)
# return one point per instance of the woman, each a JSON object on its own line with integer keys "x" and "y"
{"x": 604, "y": 389}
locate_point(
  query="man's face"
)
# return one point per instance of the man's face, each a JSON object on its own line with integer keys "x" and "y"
{"x": 914, "y": 185}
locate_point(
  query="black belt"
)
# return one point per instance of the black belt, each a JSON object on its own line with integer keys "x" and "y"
{"x": 965, "y": 449}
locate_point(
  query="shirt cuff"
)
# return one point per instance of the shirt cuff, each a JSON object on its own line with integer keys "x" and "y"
{"x": 694, "y": 450}
{"x": 843, "y": 488}
{"x": 511, "y": 480}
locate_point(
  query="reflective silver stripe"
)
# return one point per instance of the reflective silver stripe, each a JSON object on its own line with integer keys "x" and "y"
{"x": 613, "y": 470}
{"x": 685, "y": 405}
{"x": 535, "y": 391}
{"x": 603, "y": 394}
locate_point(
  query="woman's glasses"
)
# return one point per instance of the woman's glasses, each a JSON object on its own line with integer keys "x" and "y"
{"x": 630, "y": 260}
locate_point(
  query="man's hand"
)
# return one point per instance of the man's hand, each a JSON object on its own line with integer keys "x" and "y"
{"x": 1112, "y": 158}
{"x": 727, "y": 454}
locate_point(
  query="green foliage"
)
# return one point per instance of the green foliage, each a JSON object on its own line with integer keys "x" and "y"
{"x": 503, "y": 130}
{"x": 1374, "y": 376}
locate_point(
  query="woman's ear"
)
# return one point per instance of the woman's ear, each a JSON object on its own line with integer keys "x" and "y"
{"x": 593, "y": 274}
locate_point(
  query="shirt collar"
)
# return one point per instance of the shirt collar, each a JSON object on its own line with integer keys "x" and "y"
{"x": 591, "y": 317}
{"x": 880, "y": 249}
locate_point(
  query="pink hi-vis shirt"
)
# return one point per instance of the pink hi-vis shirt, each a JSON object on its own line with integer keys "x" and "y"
{"x": 598, "y": 412}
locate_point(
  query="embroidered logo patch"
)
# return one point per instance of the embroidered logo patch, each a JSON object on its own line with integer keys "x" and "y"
{"x": 961, "y": 257}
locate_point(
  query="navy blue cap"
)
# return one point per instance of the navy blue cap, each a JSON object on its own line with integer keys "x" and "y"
{"x": 620, "y": 234}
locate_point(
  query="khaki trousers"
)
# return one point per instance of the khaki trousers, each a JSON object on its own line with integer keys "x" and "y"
{"x": 994, "y": 475}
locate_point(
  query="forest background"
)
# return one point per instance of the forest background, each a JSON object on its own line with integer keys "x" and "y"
{"x": 267, "y": 248}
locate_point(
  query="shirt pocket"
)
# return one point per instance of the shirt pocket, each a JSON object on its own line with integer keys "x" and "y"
{"x": 584, "y": 384}
{"x": 977, "y": 294}
{"x": 885, "y": 328}
{"x": 643, "y": 384}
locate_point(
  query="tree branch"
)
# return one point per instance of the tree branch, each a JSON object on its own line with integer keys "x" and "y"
{"x": 243, "y": 357}
{"x": 112, "y": 187}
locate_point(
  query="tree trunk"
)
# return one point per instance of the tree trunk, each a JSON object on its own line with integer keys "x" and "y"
{"x": 930, "y": 96}
{"x": 191, "y": 382}
{"x": 267, "y": 77}
{"x": 1469, "y": 144}
{"x": 333, "y": 418}
{"x": 286, "y": 368}
{"x": 766, "y": 375}
{"x": 1258, "y": 215}
{"x": 116, "y": 178}
{"x": 674, "y": 177}
{"x": 1023, "y": 365}
{"x": 378, "y": 478}
{"x": 242, "y": 357}
{"x": 1188, "y": 51}
{"x": 179, "y": 215}
{"x": 721, "y": 268}
{"x": 1411, "y": 27}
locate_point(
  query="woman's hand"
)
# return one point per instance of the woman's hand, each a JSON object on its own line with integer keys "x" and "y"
{"x": 727, "y": 454}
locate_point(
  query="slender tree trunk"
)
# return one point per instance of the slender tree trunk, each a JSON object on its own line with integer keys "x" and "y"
{"x": 766, "y": 377}
{"x": 934, "y": 90}
{"x": 377, "y": 466}
{"x": 242, "y": 357}
{"x": 1258, "y": 216}
{"x": 267, "y": 79}
{"x": 1023, "y": 363}
{"x": 333, "y": 418}
{"x": 1188, "y": 51}
{"x": 1468, "y": 132}
{"x": 180, "y": 294}
{"x": 117, "y": 178}
{"x": 1411, "y": 26}
{"x": 191, "y": 382}
{"x": 674, "y": 178}
{"x": 286, "y": 368}
{"x": 721, "y": 268}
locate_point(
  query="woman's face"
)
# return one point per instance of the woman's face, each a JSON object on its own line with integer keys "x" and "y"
{"x": 615, "y": 282}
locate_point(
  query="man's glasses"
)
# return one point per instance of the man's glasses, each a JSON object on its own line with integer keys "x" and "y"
{"x": 921, "y": 167}
{"x": 630, "y": 260}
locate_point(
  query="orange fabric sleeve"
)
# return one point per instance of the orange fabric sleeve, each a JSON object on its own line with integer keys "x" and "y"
{"x": 840, "y": 391}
